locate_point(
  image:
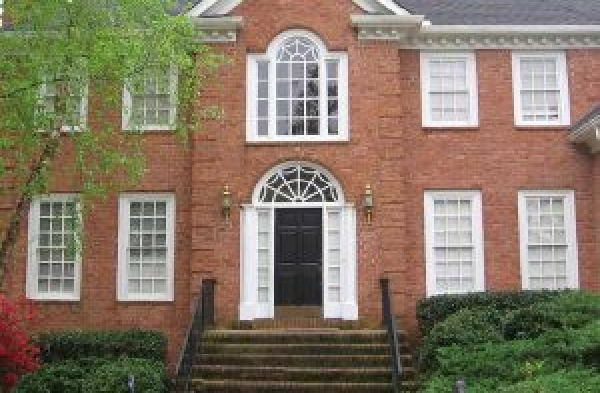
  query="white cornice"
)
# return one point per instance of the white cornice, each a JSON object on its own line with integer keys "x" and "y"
{"x": 223, "y": 29}
{"x": 386, "y": 27}
{"x": 588, "y": 133}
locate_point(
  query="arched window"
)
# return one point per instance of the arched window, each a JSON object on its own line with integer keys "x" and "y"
{"x": 297, "y": 91}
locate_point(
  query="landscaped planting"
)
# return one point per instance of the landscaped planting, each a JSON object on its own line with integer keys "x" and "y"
{"x": 98, "y": 362}
{"x": 540, "y": 342}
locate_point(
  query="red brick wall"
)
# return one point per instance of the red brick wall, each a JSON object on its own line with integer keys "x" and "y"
{"x": 388, "y": 148}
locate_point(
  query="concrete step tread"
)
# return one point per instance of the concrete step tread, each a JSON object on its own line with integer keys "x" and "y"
{"x": 294, "y": 332}
{"x": 306, "y": 370}
{"x": 289, "y": 386}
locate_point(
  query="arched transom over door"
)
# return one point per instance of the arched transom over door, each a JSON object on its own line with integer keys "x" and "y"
{"x": 299, "y": 244}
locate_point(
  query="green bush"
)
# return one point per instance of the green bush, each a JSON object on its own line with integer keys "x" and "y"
{"x": 466, "y": 327}
{"x": 433, "y": 310}
{"x": 577, "y": 380}
{"x": 96, "y": 375}
{"x": 58, "y": 346}
{"x": 150, "y": 377}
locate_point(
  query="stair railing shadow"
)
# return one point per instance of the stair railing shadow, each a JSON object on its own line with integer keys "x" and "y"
{"x": 391, "y": 325}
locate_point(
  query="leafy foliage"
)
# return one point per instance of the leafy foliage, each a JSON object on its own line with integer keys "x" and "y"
{"x": 18, "y": 355}
{"x": 57, "y": 346}
{"x": 537, "y": 347}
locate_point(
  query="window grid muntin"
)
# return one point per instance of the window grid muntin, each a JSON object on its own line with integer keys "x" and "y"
{"x": 540, "y": 89}
{"x": 297, "y": 88}
{"x": 334, "y": 257}
{"x": 56, "y": 252}
{"x": 332, "y": 68}
{"x": 262, "y": 102}
{"x": 147, "y": 247}
{"x": 298, "y": 184}
{"x": 265, "y": 251}
{"x": 454, "y": 245}
{"x": 75, "y": 102}
{"x": 152, "y": 98}
{"x": 547, "y": 242}
{"x": 448, "y": 80}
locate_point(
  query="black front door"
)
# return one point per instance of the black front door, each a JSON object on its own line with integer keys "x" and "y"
{"x": 298, "y": 257}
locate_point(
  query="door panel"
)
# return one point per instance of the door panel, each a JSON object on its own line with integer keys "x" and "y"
{"x": 298, "y": 257}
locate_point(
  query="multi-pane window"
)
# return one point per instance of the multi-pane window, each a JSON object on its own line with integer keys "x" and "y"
{"x": 454, "y": 242}
{"x": 146, "y": 247}
{"x": 449, "y": 89}
{"x": 297, "y": 91}
{"x": 540, "y": 88}
{"x": 73, "y": 100}
{"x": 150, "y": 101}
{"x": 548, "y": 248}
{"x": 54, "y": 264}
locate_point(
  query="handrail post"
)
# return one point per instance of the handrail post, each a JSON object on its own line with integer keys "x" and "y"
{"x": 392, "y": 330}
{"x": 208, "y": 302}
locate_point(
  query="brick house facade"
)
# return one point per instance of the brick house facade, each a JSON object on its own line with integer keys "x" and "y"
{"x": 457, "y": 119}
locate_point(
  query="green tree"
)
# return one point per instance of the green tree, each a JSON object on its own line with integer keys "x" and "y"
{"x": 53, "y": 53}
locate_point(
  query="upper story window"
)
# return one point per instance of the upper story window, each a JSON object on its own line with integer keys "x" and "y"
{"x": 297, "y": 91}
{"x": 75, "y": 102}
{"x": 54, "y": 262}
{"x": 540, "y": 85}
{"x": 150, "y": 100}
{"x": 449, "y": 89}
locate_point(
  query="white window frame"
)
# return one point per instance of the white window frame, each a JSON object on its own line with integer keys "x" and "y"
{"x": 472, "y": 85}
{"x": 33, "y": 240}
{"x": 563, "y": 85}
{"x": 477, "y": 230}
{"x": 252, "y": 89}
{"x": 122, "y": 278}
{"x": 127, "y": 111}
{"x": 572, "y": 266}
{"x": 83, "y": 105}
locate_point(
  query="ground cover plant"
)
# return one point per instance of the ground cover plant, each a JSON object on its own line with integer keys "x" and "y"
{"x": 535, "y": 342}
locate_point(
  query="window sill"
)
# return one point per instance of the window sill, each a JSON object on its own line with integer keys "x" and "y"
{"x": 279, "y": 141}
{"x": 541, "y": 127}
{"x": 446, "y": 128}
{"x": 56, "y": 300}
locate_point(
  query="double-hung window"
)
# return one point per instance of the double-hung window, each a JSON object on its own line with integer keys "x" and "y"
{"x": 449, "y": 89}
{"x": 54, "y": 263}
{"x": 540, "y": 85}
{"x": 146, "y": 247}
{"x": 548, "y": 241}
{"x": 297, "y": 91}
{"x": 454, "y": 242}
{"x": 150, "y": 100}
{"x": 74, "y": 101}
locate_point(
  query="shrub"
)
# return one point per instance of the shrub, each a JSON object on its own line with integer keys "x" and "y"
{"x": 58, "y": 346}
{"x": 150, "y": 377}
{"x": 433, "y": 310}
{"x": 54, "y": 378}
{"x": 17, "y": 355}
{"x": 577, "y": 380}
{"x": 466, "y": 327}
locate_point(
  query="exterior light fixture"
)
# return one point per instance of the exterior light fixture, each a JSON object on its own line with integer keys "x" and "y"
{"x": 368, "y": 204}
{"x": 226, "y": 209}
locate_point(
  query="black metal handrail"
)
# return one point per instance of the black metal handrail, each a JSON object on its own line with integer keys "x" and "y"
{"x": 392, "y": 329}
{"x": 202, "y": 319}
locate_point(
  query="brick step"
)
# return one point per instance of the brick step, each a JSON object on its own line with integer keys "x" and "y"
{"x": 299, "y": 323}
{"x": 296, "y": 348}
{"x": 294, "y": 336}
{"x": 254, "y": 359}
{"x": 294, "y": 374}
{"x": 241, "y": 386}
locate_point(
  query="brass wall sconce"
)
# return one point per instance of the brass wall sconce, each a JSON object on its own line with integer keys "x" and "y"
{"x": 369, "y": 204}
{"x": 226, "y": 208}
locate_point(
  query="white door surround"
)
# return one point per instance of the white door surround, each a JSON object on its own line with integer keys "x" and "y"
{"x": 298, "y": 185}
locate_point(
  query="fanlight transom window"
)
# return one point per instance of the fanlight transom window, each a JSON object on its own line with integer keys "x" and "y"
{"x": 298, "y": 184}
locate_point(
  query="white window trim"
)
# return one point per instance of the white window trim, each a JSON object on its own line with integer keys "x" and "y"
{"x": 572, "y": 267}
{"x": 84, "y": 109}
{"x": 563, "y": 84}
{"x": 270, "y": 56}
{"x": 472, "y": 84}
{"x": 127, "y": 107}
{"x": 32, "y": 261}
{"x": 478, "y": 246}
{"x": 122, "y": 292}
